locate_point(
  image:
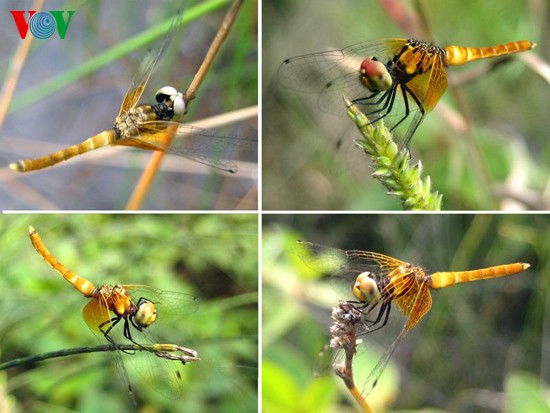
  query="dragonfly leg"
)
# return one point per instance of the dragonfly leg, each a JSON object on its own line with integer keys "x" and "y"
{"x": 406, "y": 91}
{"x": 128, "y": 332}
{"x": 366, "y": 100}
{"x": 385, "y": 96}
{"x": 387, "y": 107}
{"x": 422, "y": 113}
{"x": 112, "y": 322}
{"x": 367, "y": 308}
{"x": 383, "y": 315}
{"x": 385, "y": 312}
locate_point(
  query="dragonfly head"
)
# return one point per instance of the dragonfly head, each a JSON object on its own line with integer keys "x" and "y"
{"x": 365, "y": 288}
{"x": 374, "y": 75}
{"x": 146, "y": 313}
{"x": 170, "y": 95}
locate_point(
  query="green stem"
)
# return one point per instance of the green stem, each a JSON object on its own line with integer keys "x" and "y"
{"x": 160, "y": 350}
{"x": 392, "y": 166}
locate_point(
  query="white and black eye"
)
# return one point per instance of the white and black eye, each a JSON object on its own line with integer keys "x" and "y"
{"x": 178, "y": 105}
{"x": 166, "y": 93}
{"x": 169, "y": 94}
{"x": 365, "y": 288}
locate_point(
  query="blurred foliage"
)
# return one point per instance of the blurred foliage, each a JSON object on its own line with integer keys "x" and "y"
{"x": 310, "y": 161}
{"x": 213, "y": 257}
{"x": 480, "y": 348}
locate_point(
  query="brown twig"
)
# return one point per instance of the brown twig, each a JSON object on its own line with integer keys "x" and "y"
{"x": 151, "y": 170}
{"x": 344, "y": 336}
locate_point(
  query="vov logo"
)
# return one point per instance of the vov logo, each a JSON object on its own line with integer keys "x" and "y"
{"x": 42, "y": 25}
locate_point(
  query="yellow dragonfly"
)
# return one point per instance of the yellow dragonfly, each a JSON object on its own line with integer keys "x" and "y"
{"x": 377, "y": 280}
{"x": 391, "y": 78}
{"x": 126, "y": 314}
{"x": 150, "y": 127}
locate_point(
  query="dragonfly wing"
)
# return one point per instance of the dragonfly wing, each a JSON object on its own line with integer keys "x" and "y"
{"x": 344, "y": 266}
{"x": 413, "y": 125}
{"x": 415, "y": 303}
{"x": 423, "y": 93}
{"x": 430, "y": 86}
{"x": 148, "y": 65}
{"x": 336, "y": 72}
{"x": 152, "y": 136}
{"x": 160, "y": 373}
{"x": 325, "y": 360}
{"x": 205, "y": 146}
{"x": 329, "y": 260}
{"x": 169, "y": 304}
{"x": 374, "y": 375}
{"x": 96, "y": 314}
{"x": 334, "y": 69}
{"x": 348, "y": 82}
{"x": 312, "y": 73}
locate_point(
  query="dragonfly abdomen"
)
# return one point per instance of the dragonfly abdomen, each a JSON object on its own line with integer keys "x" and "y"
{"x": 458, "y": 55}
{"x": 87, "y": 288}
{"x": 447, "y": 279}
{"x": 101, "y": 139}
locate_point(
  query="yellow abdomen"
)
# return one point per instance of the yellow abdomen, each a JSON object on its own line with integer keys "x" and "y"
{"x": 446, "y": 279}
{"x": 86, "y": 287}
{"x": 458, "y": 55}
{"x": 102, "y": 139}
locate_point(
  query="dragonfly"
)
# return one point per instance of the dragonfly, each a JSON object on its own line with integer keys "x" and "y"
{"x": 392, "y": 78}
{"x": 123, "y": 316}
{"x": 151, "y": 126}
{"x": 377, "y": 280}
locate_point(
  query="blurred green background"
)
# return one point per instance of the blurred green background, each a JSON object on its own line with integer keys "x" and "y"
{"x": 213, "y": 257}
{"x": 481, "y": 348}
{"x": 501, "y": 163}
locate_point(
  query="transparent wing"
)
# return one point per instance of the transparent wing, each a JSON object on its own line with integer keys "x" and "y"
{"x": 160, "y": 373}
{"x": 205, "y": 146}
{"x": 148, "y": 65}
{"x": 334, "y": 73}
{"x": 430, "y": 87}
{"x": 170, "y": 304}
{"x": 335, "y": 70}
{"x": 346, "y": 265}
{"x": 325, "y": 360}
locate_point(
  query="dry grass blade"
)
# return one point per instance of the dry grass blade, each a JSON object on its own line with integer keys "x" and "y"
{"x": 144, "y": 183}
{"x": 18, "y": 62}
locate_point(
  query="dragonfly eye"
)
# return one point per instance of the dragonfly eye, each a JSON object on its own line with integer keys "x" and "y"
{"x": 178, "y": 104}
{"x": 375, "y": 76}
{"x": 170, "y": 94}
{"x": 146, "y": 314}
{"x": 165, "y": 94}
{"x": 365, "y": 288}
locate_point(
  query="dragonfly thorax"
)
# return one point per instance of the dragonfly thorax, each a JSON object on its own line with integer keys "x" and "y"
{"x": 126, "y": 125}
{"x": 171, "y": 97}
{"x": 365, "y": 288}
{"x": 415, "y": 58}
{"x": 117, "y": 299}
